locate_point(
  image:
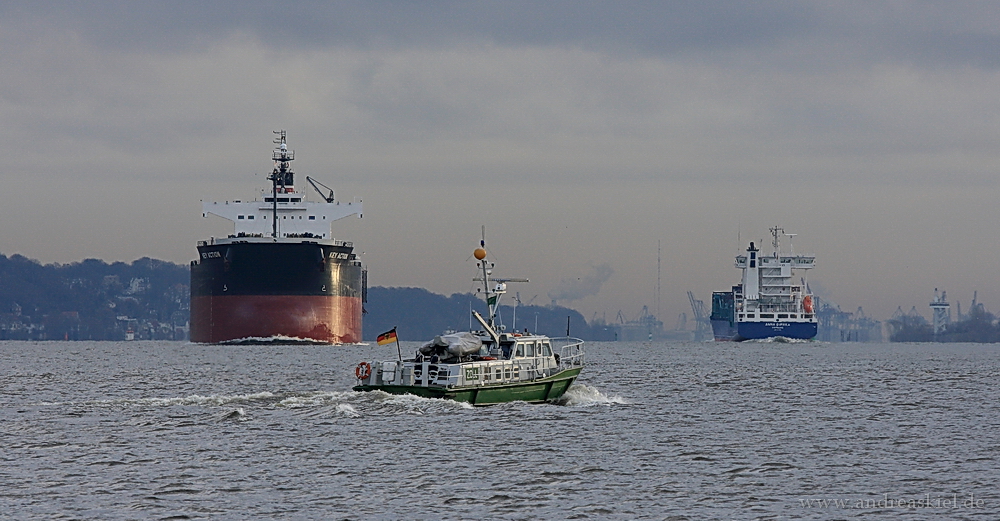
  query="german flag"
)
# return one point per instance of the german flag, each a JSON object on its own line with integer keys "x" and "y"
{"x": 386, "y": 338}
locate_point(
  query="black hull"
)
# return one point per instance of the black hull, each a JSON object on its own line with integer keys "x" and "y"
{"x": 308, "y": 291}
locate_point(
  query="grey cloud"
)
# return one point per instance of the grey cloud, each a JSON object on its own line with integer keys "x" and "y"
{"x": 954, "y": 32}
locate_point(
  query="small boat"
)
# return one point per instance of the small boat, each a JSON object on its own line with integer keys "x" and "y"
{"x": 483, "y": 367}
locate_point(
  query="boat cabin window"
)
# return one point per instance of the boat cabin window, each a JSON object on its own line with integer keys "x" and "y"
{"x": 505, "y": 349}
{"x": 546, "y": 349}
{"x": 520, "y": 350}
{"x": 767, "y": 315}
{"x": 529, "y": 349}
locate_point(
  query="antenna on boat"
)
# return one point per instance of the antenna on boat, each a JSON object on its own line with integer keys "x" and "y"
{"x": 495, "y": 291}
{"x": 480, "y": 255}
{"x": 517, "y": 302}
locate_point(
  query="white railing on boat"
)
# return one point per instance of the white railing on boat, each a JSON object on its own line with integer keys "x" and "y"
{"x": 570, "y": 352}
{"x": 569, "y": 355}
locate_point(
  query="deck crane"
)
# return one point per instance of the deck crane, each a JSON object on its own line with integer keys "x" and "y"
{"x": 313, "y": 182}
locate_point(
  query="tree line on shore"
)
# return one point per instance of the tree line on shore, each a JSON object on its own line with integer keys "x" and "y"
{"x": 150, "y": 299}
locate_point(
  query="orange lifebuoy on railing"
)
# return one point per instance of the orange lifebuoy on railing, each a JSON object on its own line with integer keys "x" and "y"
{"x": 807, "y": 304}
{"x": 363, "y": 370}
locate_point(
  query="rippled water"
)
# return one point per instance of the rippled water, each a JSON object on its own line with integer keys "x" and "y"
{"x": 161, "y": 430}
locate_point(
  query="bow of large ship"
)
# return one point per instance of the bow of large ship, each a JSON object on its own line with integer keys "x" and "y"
{"x": 281, "y": 276}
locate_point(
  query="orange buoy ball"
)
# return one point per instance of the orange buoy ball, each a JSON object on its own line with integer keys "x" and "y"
{"x": 480, "y": 253}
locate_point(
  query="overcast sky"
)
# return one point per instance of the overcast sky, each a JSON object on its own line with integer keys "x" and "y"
{"x": 582, "y": 134}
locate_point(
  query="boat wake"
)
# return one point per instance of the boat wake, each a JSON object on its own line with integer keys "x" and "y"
{"x": 235, "y": 415}
{"x": 579, "y": 395}
{"x": 272, "y": 340}
{"x": 240, "y": 408}
{"x": 778, "y": 340}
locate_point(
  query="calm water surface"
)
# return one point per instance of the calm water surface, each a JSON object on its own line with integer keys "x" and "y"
{"x": 164, "y": 430}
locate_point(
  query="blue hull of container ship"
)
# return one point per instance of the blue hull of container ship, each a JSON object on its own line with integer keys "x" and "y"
{"x": 766, "y": 329}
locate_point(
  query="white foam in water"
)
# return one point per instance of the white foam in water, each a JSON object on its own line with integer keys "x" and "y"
{"x": 237, "y": 414}
{"x": 779, "y": 340}
{"x": 579, "y": 395}
{"x": 312, "y": 399}
{"x": 346, "y": 409}
{"x": 413, "y": 403}
{"x": 204, "y": 400}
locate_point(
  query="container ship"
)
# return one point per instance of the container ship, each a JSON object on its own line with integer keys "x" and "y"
{"x": 281, "y": 276}
{"x": 767, "y": 303}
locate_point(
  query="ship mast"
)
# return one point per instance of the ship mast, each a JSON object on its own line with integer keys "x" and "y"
{"x": 282, "y": 174}
{"x": 775, "y": 232}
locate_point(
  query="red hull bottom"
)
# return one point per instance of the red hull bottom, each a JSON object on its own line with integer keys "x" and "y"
{"x": 322, "y": 319}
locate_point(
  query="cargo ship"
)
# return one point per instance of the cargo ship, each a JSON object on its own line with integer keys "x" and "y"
{"x": 767, "y": 303}
{"x": 281, "y": 276}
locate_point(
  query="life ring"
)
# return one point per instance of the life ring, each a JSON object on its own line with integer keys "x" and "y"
{"x": 807, "y": 304}
{"x": 363, "y": 370}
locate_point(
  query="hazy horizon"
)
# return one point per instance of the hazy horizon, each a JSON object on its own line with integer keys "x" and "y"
{"x": 582, "y": 134}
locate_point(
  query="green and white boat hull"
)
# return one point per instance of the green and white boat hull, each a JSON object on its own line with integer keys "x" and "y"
{"x": 505, "y": 368}
{"x": 543, "y": 390}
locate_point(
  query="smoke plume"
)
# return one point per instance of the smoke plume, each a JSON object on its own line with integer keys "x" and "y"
{"x": 579, "y": 287}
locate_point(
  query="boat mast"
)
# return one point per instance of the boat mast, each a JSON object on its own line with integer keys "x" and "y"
{"x": 282, "y": 173}
{"x": 774, "y": 233}
{"x": 486, "y": 281}
{"x": 492, "y": 294}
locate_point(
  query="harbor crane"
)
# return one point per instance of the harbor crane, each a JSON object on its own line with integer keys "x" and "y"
{"x": 700, "y": 317}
